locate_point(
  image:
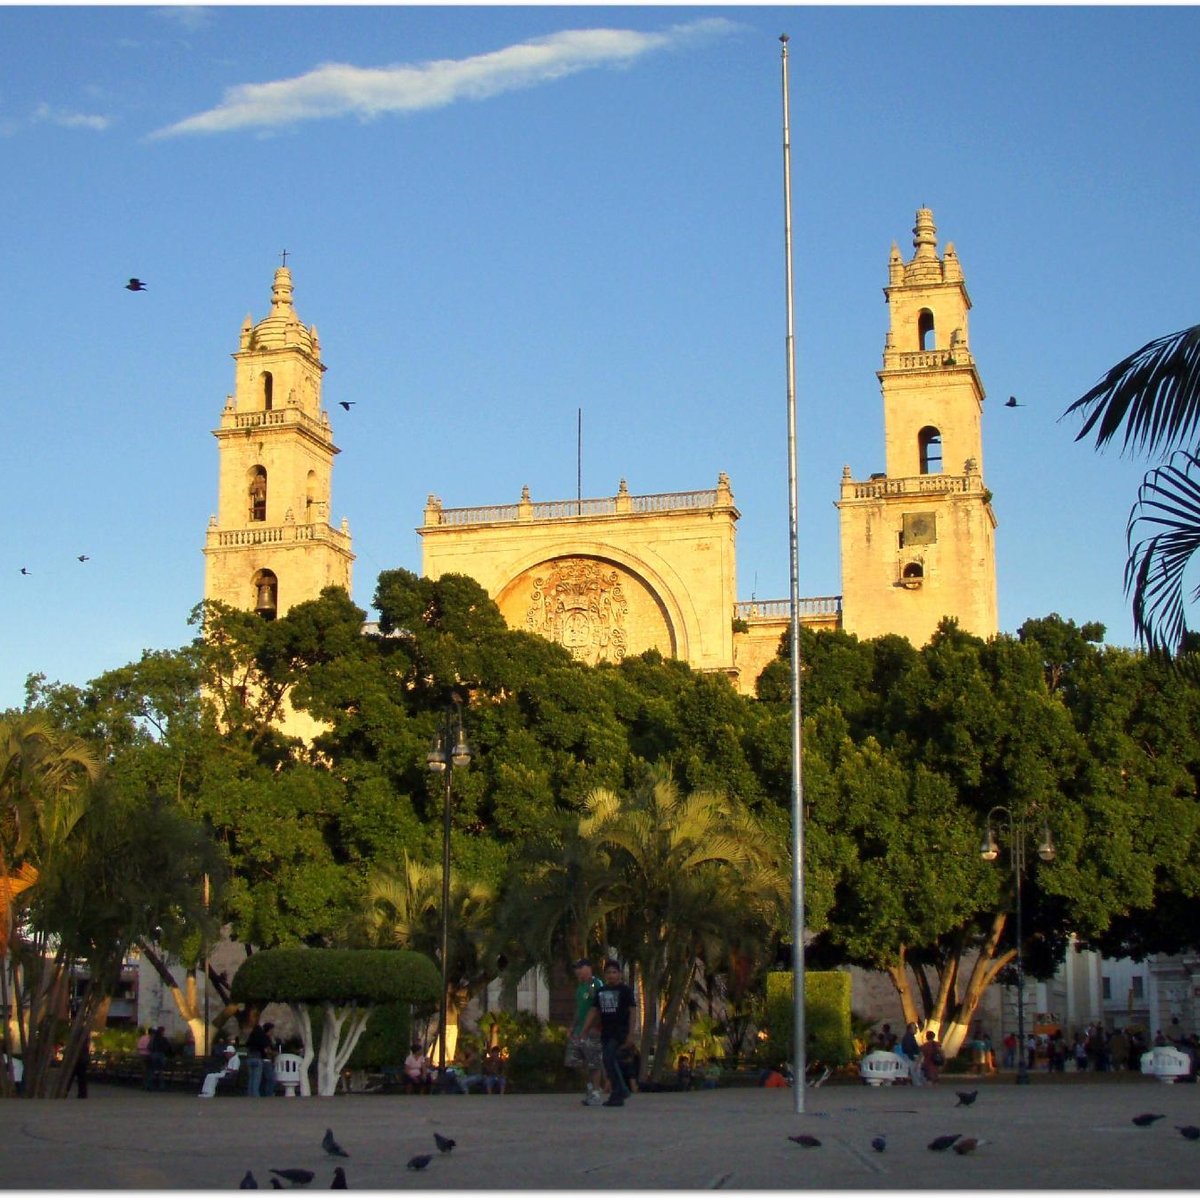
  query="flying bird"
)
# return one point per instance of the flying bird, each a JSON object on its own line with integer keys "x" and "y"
{"x": 330, "y": 1146}
{"x": 346, "y": 404}
{"x": 419, "y": 1162}
{"x": 967, "y": 1145}
{"x": 804, "y": 1139}
{"x": 1145, "y": 1119}
{"x": 444, "y": 1144}
{"x": 879, "y": 1144}
{"x": 1013, "y": 402}
{"x": 26, "y": 571}
{"x": 966, "y": 1099}
{"x": 135, "y": 285}
{"x": 83, "y": 557}
{"x": 248, "y": 1180}
{"x": 1191, "y": 1132}
{"x": 945, "y": 1141}
{"x": 296, "y": 1176}
{"x": 339, "y": 1178}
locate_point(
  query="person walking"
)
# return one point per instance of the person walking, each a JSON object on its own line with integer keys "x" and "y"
{"x": 932, "y": 1058}
{"x": 612, "y": 1011}
{"x": 583, "y": 1052}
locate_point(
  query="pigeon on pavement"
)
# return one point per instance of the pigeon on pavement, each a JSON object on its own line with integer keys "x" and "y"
{"x": 248, "y": 1180}
{"x": 966, "y": 1099}
{"x": 296, "y": 1176}
{"x": 879, "y": 1144}
{"x": 967, "y": 1145}
{"x": 1147, "y": 1118}
{"x": 945, "y": 1141}
{"x": 1191, "y": 1132}
{"x": 419, "y": 1162}
{"x": 804, "y": 1139}
{"x": 444, "y": 1144}
{"x": 339, "y": 1178}
{"x": 330, "y": 1146}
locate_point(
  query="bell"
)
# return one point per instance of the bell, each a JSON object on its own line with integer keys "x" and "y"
{"x": 266, "y": 598}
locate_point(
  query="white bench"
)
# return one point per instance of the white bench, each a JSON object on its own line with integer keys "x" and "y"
{"x": 1166, "y": 1063}
{"x": 287, "y": 1072}
{"x": 882, "y": 1067}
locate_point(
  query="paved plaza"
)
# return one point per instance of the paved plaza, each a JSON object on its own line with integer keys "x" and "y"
{"x": 1072, "y": 1134}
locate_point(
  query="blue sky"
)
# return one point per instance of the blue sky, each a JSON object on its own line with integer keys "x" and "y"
{"x": 497, "y": 216}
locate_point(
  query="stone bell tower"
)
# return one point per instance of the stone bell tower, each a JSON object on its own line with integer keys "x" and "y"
{"x": 917, "y": 539}
{"x": 270, "y": 545}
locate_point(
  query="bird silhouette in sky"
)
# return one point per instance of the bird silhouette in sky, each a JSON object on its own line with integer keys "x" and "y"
{"x": 339, "y": 1178}
{"x": 1013, "y": 402}
{"x": 346, "y": 404}
{"x": 966, "y": 1099}
{"x": 330, "y": 1146}
{"x": 419, "y": 1162}
{"x": 135, "y": 285}
{"x": 444, "y": 1144}
{"x": 83, "y": 557}
{"x": 26, "y": 571}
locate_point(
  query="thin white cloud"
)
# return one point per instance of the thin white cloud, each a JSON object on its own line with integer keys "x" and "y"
{"x": 189, "y": 17}
{"x": 339, "y": 90}
{"x": 70, "y": 120}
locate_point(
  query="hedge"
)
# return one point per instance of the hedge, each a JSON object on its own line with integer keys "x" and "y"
{"x": 826, "y": 1016}
{"x": 302, "y": 976}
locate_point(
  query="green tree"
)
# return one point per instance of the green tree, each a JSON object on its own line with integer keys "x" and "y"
{"x": 345, "y": 985}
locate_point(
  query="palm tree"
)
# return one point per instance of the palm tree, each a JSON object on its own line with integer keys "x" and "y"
{"x": 691, "y": 874}
{"x": 1154, "y": 396}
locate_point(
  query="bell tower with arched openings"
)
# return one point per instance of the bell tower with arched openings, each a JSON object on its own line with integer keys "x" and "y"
{"x": 270, "y": 545}
{"x": 918, "y": 539}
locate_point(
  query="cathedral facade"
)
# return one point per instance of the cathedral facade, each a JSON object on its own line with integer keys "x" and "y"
{"x": 614, "y": 576}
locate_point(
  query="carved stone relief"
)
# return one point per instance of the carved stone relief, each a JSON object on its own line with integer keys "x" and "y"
{"x": 580, "y": 604}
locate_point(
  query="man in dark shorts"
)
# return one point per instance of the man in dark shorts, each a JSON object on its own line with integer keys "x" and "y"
{"x": 584, "y": 1052}
{"x": 612, "y": 1011}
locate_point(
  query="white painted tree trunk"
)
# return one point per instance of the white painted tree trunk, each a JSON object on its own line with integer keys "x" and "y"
{"x": 304, "y": 1024}
{"x": 335, "y": 1048}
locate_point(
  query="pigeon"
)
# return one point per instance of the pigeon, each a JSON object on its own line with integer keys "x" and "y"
{"x": 966, "y": 1099}
{"x": 444, "y": 1144}
{"x": 296, "y": 1176}
{"x": 804, "y": 1139}
{"x": 346, "y": 404}
{"x": 339, "y": 1178}
{"x": 419, "y": 1162}
{"x": 248, "y": 1180}
{"x": 945, "y": 1141}
{"x": 26, "y": 571}
{"x": 1145, "y": 1119}
{"x": 330, "y": 1146}
{"x": 967, "y": 1145}
{"x": 879, "y": 1144}
{"x": 1191, "y": 1132}
{"x": 135, "y": 285}
{"x": 83, "y": 557}
{"x": 1013, "y": 402}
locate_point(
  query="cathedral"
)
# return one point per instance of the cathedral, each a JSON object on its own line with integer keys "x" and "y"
{"x": 617, "y": 575}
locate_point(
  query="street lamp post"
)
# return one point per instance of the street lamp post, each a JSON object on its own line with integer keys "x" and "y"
{"x": 449, "y": 751}
{"x": 1016, "y": 851}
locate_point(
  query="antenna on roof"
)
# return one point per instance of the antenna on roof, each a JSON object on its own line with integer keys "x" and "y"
{"x": 579, "y": 462}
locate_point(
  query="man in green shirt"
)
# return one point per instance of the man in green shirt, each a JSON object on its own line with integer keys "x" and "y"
{"x": 583, "y": 1050}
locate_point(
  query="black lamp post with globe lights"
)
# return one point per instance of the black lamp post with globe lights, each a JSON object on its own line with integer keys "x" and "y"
{"x": 1016, "y": 849}
{"x": 449, "y": 751}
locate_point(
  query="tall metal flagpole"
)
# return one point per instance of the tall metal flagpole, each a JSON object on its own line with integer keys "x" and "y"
{"x": 800, "y": 1050}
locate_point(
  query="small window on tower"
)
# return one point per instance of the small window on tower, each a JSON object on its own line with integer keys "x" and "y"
{"x": 912, "y": 575}
{"x": 925, "y": 331}
{"x": 929, "y": 442}
{"x": 266, "y": 595}
{"x": 258, "y": 494}
{"x": 268, "y": 390}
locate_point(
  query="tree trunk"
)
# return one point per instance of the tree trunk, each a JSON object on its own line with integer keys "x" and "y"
{"x": 304, "y": 1025}
{"x": 662, "y": 1043}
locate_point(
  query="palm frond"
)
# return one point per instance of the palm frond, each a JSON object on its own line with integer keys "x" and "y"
{"x": 1163, "y": 535}
{"x": 1154, "y": 394}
